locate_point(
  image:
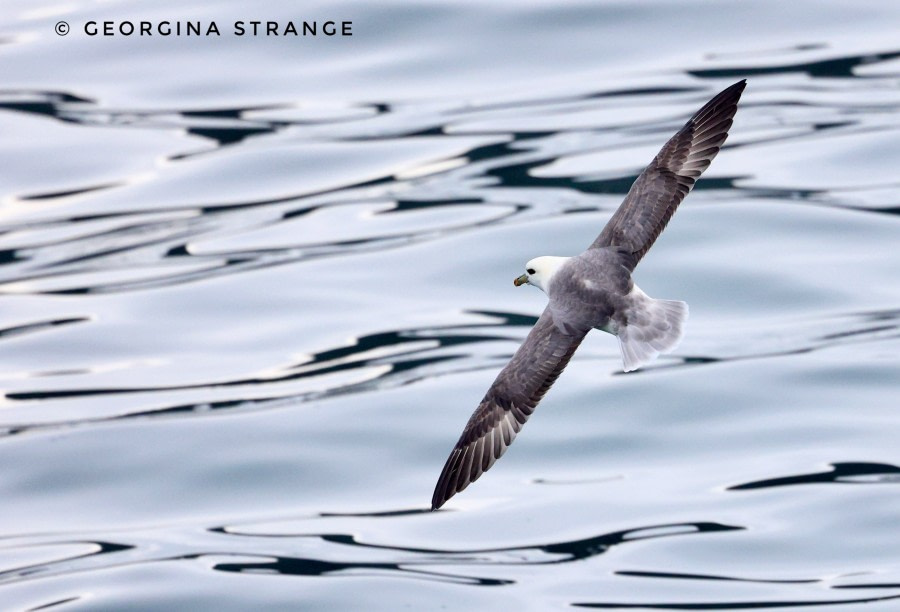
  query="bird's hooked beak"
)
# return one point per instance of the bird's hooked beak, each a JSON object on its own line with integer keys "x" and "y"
{"x": 521, "y": 280}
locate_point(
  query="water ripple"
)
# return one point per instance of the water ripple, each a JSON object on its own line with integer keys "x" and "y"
{"x": 859, "y": 473}
{"x": 734, "y": 605}
{"x": 395, "y": 358}
{"x": 250, "y": 288}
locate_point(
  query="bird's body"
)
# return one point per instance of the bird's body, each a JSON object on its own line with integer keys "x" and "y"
{"x": 594, "y": 290}
{"x": 590, "y": 290}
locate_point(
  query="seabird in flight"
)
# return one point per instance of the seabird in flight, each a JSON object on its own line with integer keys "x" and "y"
{"x": 594, "y": 290}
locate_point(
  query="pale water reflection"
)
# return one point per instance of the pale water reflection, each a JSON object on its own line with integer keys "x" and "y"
{"x": 253, "y": 288}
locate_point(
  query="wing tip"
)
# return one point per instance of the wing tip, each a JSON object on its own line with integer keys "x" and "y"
{"x": 440, "y": 496}
{"x": 737, "y": 87}
{"x": 442, "y": 490}
{"x": 437, "y": 503}
{"x": 732, "y": 94}
{"x": 723, "y": 104}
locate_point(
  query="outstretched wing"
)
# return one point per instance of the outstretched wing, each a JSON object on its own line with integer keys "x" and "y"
{"x": 507, "y": 405}
{"x": 663, "y": 184}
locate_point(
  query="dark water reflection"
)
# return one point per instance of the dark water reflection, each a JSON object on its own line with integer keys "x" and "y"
{"x": 841, "y": 472}
{"x": 251, "y": 291}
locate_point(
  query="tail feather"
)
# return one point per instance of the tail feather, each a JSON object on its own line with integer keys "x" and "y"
{"x": 654, "y": 327}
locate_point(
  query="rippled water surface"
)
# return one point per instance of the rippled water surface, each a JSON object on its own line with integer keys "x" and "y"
{"x": 252, "y": 289}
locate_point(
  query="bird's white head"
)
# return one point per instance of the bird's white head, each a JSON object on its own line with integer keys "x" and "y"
{"x": 540, "y": 270}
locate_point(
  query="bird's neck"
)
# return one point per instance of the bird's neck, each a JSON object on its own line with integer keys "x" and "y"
{"x": 550, "y": 265}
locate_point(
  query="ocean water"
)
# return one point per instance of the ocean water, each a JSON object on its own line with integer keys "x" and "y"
{"x": 251, "y": 289}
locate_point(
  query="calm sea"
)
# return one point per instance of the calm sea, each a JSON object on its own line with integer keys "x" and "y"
{"x": 251, "y": 288}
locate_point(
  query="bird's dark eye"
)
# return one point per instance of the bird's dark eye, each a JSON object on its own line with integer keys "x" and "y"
{"x": 530, "y": 270}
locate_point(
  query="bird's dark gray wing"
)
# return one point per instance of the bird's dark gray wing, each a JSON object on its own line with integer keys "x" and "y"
{"x": 507, "y": 405}
{"x": 663, "y": 184}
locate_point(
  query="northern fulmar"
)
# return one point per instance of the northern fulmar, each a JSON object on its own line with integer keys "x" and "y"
{"x": 594, "y": 290}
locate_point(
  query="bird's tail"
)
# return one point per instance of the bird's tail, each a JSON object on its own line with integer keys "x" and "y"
{"x": 654, "y": 327}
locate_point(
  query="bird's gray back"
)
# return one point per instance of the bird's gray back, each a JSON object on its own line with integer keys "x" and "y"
{"x": 589, "y": 289}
